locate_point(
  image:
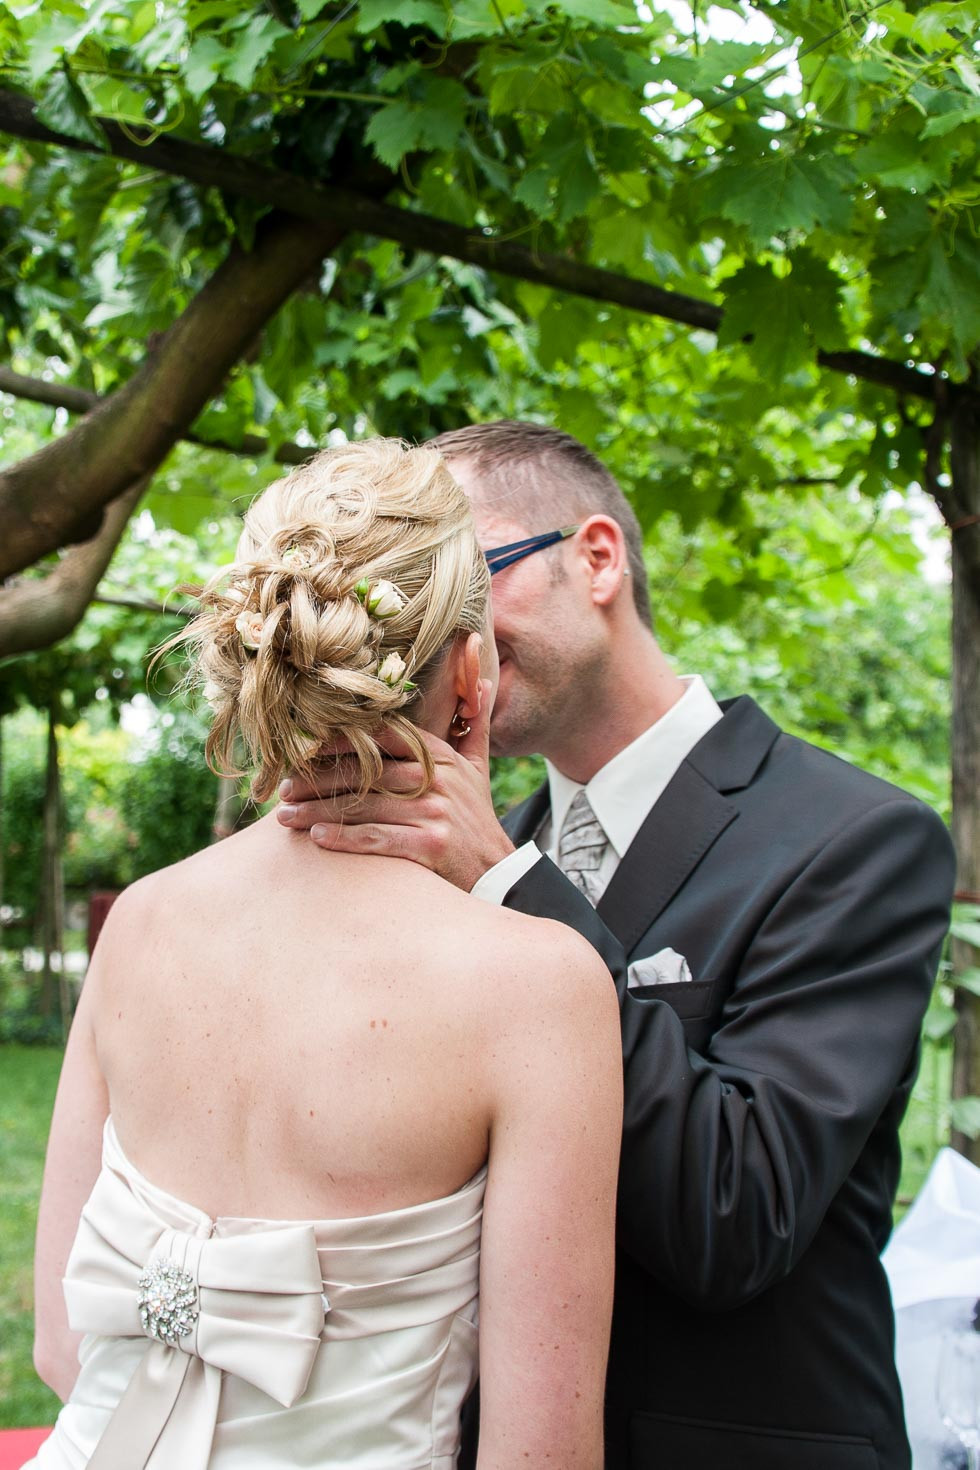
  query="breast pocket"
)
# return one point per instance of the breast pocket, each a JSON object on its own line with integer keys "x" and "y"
{"x": 691, "y": 999}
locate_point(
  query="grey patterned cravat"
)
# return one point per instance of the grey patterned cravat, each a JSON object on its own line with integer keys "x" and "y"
{"x": 581, "y": 847}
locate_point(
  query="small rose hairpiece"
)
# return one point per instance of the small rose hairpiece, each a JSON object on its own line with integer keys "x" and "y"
{"x": 392, "y": 670}
{"x": 380, "y": 599}
{"x": 297, "y": 556}
{"x": 250, "y": 625}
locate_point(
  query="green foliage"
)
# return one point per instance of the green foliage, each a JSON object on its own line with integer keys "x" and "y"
{"x": 819, "y": 619}
{"x": 23, "y": 797}
{"x": 925, "y": 1128}
{"x": 965, "y": 1115}
{"x": 814, "y": 173}
{"x": 941, "y": 1018}
{"x": 167, "y": 804}
{"x": 965, "y": 1111}
{"x": 128, "y": 809}
{"x": 514, "y": 779}
{"x": 966, "y": 924}
{"x": 20, "y": 1020}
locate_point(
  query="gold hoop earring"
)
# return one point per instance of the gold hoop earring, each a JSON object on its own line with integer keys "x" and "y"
{"x": 458, "y": 727}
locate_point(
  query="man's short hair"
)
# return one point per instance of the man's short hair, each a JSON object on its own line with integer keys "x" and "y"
{"x": 541, "y": 475}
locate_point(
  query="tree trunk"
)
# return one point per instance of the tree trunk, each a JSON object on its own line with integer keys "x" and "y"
{"x": 56, "y": 496}
{"x": 965, "y": 467}
{"x": 38, "y": 611}
{"x": 81, "y": 400}
{"x": 52, "y": 884}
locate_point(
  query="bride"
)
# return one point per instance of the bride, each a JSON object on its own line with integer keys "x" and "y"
{"x": 297, "y": 1080}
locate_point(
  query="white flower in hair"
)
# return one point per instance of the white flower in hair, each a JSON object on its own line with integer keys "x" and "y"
{"x": 212, "y": 692}
{"x": 297, "y": 556}
{"x": 250, "y": 625}
{"x": 381, "y": 599}
{"x": 391, "y": 670}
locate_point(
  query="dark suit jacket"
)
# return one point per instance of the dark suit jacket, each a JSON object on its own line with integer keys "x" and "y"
{"x": 752, "y": 1327}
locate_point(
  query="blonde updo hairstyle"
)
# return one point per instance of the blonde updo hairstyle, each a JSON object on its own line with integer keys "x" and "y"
{"x": 314, "y": 548}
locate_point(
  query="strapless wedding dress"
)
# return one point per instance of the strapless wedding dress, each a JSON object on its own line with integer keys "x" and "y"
{"x": 266, "y": 1343}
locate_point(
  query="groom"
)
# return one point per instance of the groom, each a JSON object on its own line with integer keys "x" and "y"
{"x": 773, "y": 917}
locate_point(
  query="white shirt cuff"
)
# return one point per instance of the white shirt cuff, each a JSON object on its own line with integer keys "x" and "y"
{"x": 497, "y": 881}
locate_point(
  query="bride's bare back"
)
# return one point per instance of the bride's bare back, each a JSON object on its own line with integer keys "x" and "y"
{"x": 296, "y": 1033}
{"x": 282, "y": 1033}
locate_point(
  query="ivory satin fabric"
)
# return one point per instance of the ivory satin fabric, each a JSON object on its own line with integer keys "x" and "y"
{"x": 318, "y": 1343}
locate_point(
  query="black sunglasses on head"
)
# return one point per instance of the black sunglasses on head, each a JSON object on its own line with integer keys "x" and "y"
{"x": 505, "y": 556}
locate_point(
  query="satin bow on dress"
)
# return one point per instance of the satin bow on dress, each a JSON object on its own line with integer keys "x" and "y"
{"x": 258, "y": 1312}
{"x": 266, "y": 1343}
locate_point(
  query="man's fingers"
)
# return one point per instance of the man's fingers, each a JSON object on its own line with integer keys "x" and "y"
{"x": 350, "y": 837}
{"x": 303, "y": 814}
{"x": 342, "y": 774}
{"x": 332, "y": 799}
{"x": 381, "y": 839}
{"x": 354, "y": 811}
{"x": 343, "y": 778}
{"x": 401, "y": 776}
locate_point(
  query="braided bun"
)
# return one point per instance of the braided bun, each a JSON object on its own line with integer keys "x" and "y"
{"x": 352, "y": 578}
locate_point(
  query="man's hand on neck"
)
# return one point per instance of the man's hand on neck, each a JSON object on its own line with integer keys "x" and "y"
{"x": 452, "y": 829}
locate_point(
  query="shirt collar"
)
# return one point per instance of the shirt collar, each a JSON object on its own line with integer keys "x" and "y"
{"x": 622, "y": 792}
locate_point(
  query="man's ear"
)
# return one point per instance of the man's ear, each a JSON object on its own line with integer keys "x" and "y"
{"x": 603, "y": 549}
{"x": 468, "y": 680}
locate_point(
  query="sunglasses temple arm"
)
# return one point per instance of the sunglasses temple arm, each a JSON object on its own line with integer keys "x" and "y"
{"x": 519, "y": 549}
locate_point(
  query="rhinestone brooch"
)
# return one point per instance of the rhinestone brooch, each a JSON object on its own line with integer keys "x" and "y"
{"x": 167, "y": 1301}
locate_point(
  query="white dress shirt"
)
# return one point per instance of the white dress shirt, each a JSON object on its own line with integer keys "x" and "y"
{"x": 621, "y": 793}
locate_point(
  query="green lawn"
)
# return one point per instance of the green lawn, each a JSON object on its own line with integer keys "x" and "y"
{"x": 28, "y": 1077}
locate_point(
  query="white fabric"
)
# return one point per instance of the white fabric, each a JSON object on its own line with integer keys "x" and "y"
{"x": 319, "y": 1343}
{"x": 935, "y": 1251}
{"x": 666, "y": 967}
{"x": 933, "y": 1266}
{"x": 621, "y": 793}
{"x": 496, "y": 882}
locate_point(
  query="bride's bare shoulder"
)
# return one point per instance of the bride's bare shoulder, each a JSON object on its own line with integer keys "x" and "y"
{"x": 516, "y": 950}
{"x": 158, "y": 896}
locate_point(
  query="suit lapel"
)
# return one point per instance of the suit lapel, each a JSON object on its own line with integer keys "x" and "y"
{"x": 692, "y": 812}
{"x": 682, "y": 825}
{"x": 523, "y": 823}
{"x": 675, "y": 836}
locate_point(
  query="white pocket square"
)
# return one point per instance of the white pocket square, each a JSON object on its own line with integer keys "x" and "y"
{"x": 666, "y": 967}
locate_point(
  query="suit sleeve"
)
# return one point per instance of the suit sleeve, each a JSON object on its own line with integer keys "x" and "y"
{"x": 731, "y": 1158}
